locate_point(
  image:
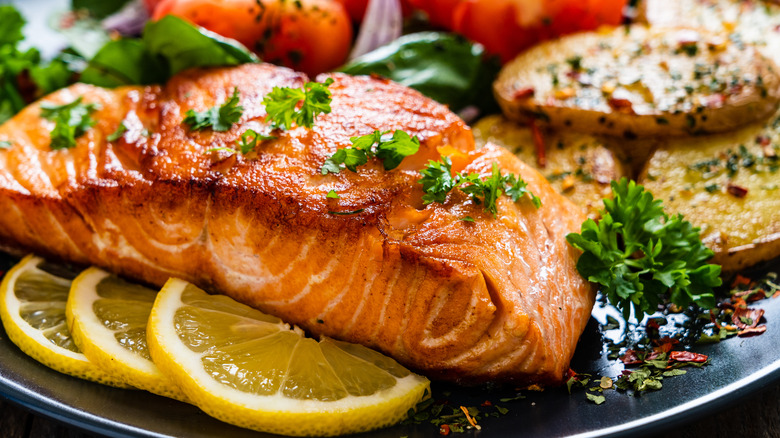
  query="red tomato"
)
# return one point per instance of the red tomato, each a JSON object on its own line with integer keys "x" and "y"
{"x": 507, "y": 27}
{"x": 151, "y": 5}
{"x": 439, "y": 11}
{"x": 312, "y": 36}
{"x": 357, "y": 8}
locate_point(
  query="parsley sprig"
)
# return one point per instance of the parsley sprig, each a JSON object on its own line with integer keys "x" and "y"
{"x": 218, "y": 118}
{"x": 281, "y": 104}
{"x": 72, "y": 120}
{"x": 640, "y": 255}
{"x": 246, "y": 143}
{"x": 390, "y": 149}
{"x": 438, "y": 181}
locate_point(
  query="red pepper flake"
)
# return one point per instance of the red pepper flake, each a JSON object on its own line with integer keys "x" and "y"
{"x": 541, "y": 157}
{"x": 740, "y": 280}
{"x": 714, "y": 319}
{"x": 630, "y": 358}
{"x": 524, "y": 93}
{"x": 752, "y": 331}
{"x": 665, "y": 344}
{"x": 735, "y": 190}
{"x": 751, "y": 295}
{"x": 687, "y": 356}
{"x": 746, "y": 317}
{"x": 621, "y": 105}
{"x": 486, "y": 403}
{"x": 444, "y": 429}
{"x": 652, "y": 326}
{"x": 763, "y": 140}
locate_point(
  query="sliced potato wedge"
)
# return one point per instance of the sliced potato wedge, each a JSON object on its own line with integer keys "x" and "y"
{"x": 578, "y": 165}
{"x": 729, "y": 186}
{"x": 753, "y": 22}
{"x": 636, "y": 81}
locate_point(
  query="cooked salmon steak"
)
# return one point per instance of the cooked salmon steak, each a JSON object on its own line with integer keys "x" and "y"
{"x": 498, "y": 298}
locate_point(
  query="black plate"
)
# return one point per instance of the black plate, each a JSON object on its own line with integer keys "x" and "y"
{"x": 740, "y": 366}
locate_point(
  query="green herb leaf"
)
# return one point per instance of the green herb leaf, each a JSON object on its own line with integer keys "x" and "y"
{"x": 641, "y": 256}
{"x": 5, "y": 144}
{"x": 598, "y": 399}
{"x": 99, "y": 8}
{"x": 332, "y": 195}
{"x": 445, "y": 67}
{"x": 249, "y": 139}
{"x": 168, "y": 46}
{"x": 281, "y": 104}
{"x": 11, "y": 25}
{"x": 437, "y": 182}
{"x": 15, "y": 63}
{"x": 72, "y": 121}
{"x": 120, "y": 131}
{"x": 390, "y": 150}
{"x": 217, "y": 118}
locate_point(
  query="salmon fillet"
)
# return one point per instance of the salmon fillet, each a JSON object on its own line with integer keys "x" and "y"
{"x": 495, "y": 299}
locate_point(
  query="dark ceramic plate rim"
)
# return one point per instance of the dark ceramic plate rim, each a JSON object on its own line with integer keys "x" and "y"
{"x": 20, "y": 383}
{"x": 24, "y": 381}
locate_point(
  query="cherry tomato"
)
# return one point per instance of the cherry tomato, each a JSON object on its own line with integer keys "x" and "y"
{"x": 507, "y": 27}
{"x": 357, "y": 8}
{"x": 312, "y": 36}
{"x": 151, "y": 5}
{"x": 439, "y": 11}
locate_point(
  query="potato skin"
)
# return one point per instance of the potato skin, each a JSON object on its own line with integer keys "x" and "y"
{"x": 635, "y": 82}
{"x": 729, "y": 186}
{"x": 579, "y": 166}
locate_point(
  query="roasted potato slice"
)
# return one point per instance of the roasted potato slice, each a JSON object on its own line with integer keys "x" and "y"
{"x": 753, "y": 22}
{"x": 637, "y": 81}
{"x": 728, "y": 185}
{"x": 578, "y": 165}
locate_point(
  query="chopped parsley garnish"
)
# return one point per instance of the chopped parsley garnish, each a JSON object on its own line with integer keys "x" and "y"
{"x": 281, "y": 104}
{"x": 72, "y": 121}
{"x": 390, "y": 149}
{"x": 246, "y": 143}
{"x": 219, "y": 118}
{"x": 438, "y": 181}
{"x": 5, "y": 144}
{"x": 640, "y": 255}
{"x": 120, "y": 131}
{"x": 249, "y": 139}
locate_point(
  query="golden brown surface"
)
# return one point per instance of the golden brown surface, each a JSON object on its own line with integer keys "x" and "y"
{"x": 496, "y": 299}
{"x": 729, "y": 186}
{"x": 637, "y": 81}
{"x": 579, "y": 166}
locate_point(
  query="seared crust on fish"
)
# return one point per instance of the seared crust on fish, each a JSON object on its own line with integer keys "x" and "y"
{"x": 494, "y": 299}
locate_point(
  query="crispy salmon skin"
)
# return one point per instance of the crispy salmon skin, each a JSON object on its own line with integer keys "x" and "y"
{"x": 498, "y": 298}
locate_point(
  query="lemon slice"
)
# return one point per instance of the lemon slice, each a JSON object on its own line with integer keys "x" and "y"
{"x": 252, "y": 370}
{"x": 107, "y": 317}
{"x": 32, "y": 308}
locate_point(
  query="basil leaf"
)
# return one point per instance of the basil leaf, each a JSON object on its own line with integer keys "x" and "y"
{"x": 185, "y": 46}
{"x": 445, "y": 67}
{"x": 167, "y": 47}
